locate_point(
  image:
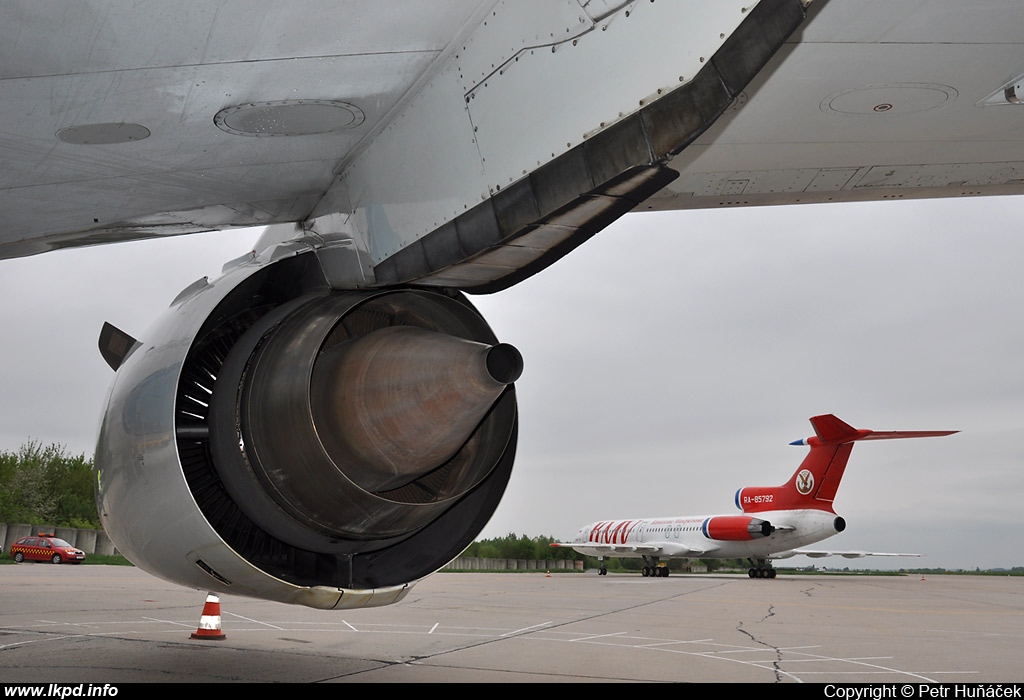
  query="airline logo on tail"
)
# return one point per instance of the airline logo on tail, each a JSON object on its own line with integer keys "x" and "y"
{"x": 804, "y": 482}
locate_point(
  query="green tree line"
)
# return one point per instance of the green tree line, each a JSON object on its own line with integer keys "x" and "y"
{"x": 514, "y": 546}
{"x": 45, "y": 485}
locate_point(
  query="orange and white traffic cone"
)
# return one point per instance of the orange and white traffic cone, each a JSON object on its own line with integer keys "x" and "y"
{"x": 209, "y": 623}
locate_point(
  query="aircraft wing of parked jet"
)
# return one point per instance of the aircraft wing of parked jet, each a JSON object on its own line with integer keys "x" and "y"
{"x": 412, "y": 151}
{"x": 856, "y": 554}
{"x": 776, "y": 522}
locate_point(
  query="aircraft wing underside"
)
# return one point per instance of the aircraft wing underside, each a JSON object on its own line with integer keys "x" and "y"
{"x": 424, "y": 136}
{"x": 674, "y": 549}
{"x": 470, "y": 144}
{"x": 661, "y": 549}
{"x": 818, "y": 554}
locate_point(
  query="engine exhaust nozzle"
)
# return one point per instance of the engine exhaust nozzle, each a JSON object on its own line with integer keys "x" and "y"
{"x": 399, "y": 402}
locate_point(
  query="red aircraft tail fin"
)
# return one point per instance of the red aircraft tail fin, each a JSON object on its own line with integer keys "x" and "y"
{"x": 816, "y": 480}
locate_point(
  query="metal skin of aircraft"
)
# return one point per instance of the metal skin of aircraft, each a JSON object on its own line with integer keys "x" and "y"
{"x": 331, "y": 419}
{"x": 777, "y": 522}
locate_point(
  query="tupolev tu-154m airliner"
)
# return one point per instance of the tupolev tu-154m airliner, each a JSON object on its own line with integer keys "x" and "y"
{"x": 777, "y": 521}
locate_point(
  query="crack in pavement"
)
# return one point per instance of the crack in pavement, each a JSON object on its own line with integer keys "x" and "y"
{"x": 776, "y": 664}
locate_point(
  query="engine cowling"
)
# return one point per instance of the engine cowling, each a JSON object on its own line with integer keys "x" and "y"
{"x": 274, "y": 438}
{"x": 736, "y": 528}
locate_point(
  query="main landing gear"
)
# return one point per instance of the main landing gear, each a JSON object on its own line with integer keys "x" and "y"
{"x": 761, "y": 568}
{"x": 651, "y": 568}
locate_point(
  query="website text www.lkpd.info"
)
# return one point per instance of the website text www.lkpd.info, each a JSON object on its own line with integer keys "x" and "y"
{"x": 60, "y": 690}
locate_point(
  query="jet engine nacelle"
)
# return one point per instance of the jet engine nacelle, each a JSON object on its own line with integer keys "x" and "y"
{"x": 275, "y": 438}
{"x": 736, "y": 528}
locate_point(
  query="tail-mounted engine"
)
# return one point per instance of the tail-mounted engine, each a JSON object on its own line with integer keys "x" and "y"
{"x": 280, "y": 439}
{"x": 736, "y": 528}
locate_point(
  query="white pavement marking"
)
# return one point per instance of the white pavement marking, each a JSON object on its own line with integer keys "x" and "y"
{"x": 257, "y": 622}
{"x": 527, "y": 629}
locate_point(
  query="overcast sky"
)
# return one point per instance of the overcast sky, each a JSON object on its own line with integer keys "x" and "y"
{"x": 670, "y": 360}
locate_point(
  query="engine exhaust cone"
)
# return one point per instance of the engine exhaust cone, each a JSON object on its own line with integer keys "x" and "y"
{"x": 504, "y": 363}
{"x": 399, "y": 402}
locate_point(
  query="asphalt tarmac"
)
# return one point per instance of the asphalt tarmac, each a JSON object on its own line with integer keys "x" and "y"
{"x": 107, "y": 624}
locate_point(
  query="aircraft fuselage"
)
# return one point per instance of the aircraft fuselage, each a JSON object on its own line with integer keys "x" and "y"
{"x": 690, "y": 536}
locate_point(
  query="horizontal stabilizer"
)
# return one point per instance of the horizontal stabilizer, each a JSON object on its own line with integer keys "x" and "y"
{"x": 829, "y": 430}
{"x": 899, "y": 434}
